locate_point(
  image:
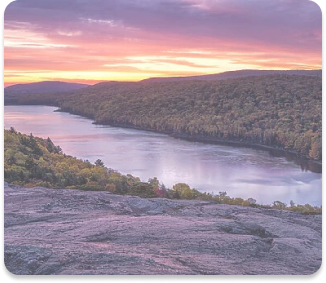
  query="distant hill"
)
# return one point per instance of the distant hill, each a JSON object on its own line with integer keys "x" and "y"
{"x": 43, "y": 87}
{"x": 14, "y": 92}
{"x": 238, "y": 74}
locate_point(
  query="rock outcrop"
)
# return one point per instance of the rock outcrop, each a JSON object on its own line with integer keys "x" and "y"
{"x": 51, "y": 231}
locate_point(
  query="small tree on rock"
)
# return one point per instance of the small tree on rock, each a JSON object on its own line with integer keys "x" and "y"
{"x": 99, "y": 163}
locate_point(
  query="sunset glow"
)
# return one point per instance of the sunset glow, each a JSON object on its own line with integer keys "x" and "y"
{"x": 130, "y": 40}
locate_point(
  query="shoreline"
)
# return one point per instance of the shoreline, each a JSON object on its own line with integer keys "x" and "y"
{"x": 304, "y": 162}
{"x": 315, "y": 166}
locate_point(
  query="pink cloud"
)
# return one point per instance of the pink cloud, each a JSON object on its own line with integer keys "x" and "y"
{"x": 85, "y": 35}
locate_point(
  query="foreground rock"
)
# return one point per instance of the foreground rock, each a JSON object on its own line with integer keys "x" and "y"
{"x": 74, "y": 232}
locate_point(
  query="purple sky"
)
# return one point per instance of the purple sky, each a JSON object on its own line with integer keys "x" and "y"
{"x": 133, "y": 39}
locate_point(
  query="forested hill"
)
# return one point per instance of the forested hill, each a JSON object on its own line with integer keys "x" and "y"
{"x": 11, "y": 93}
{"x": 281, "y": 111}
{"x": 45, "y": 87}
{"x": 239, "y": 74}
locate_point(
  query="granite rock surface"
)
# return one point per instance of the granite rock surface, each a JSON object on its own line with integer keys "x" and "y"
{"x": 50, "y": 231}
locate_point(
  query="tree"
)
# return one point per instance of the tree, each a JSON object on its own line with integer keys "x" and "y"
{"x": 142, "y": 189}
{"x": 51, "y": 147}
{"x": 316, "y": 150}
{"x": 11, "y": 160}
{"x": 99, "y": 163}
{"x": 251, "y": 201}
{"x": 222, "y": 194}
{"x": 29, "y": 163}
{"x": 279, "y": 205}
{"x": 154, "y": 182}
{"x": 183, "y": 191}
{"x": 12, "y": 130}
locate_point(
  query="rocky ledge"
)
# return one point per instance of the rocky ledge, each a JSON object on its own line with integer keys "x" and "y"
{"x": 51, "y": 231}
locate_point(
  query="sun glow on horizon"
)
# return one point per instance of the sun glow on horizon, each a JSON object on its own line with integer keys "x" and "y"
{"x": 136, "y": 42}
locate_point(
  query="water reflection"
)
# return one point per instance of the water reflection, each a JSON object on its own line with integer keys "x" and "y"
{"x": 242, "y": 172}
{"x": 305, "y": 164}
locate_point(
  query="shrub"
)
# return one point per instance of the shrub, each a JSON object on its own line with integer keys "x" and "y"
{"x": 183, "y": 191}
{"x": 160, "y": 193}
{"x": 111, "y": 188}
{"x": 279, "y": 205}
{"x": 142, "y": 189}
{"x": 91, "y": 187}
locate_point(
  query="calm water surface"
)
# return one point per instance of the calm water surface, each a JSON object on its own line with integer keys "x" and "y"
{"x": 241, "y": 172}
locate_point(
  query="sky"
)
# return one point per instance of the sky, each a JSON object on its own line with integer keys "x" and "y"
{"x": 90, "y": 41}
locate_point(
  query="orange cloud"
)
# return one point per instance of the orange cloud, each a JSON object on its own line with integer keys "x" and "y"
{"x": 100, "y": 40}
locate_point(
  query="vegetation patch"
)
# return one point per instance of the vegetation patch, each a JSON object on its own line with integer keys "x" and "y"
{"x": 31, "y": 161}
{"x": 279, "y": 111}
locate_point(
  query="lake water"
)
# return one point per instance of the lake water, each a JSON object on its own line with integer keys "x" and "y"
{"x": 241, "y": 172}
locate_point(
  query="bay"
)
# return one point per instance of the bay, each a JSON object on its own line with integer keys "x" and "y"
{"x": 241, "y": 172}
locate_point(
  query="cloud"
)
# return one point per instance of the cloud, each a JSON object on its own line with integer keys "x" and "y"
{"x": 278, "y": 22}
{"x": 102, "y": 30}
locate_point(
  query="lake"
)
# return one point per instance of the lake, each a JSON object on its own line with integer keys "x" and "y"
{"x": 241, "y": 172}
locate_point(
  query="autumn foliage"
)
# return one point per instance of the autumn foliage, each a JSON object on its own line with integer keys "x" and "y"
{"x": 279, "y": 111}
{"x": 31, "y": 161}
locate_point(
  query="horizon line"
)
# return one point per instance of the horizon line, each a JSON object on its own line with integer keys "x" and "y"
{"x": 80, "y": 81}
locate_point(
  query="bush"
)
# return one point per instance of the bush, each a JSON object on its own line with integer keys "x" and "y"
{"x": 142, "y": 189}
{"x": 90, "y": 187}
{"x": 279, "y": 205}
{"x": 183, "y": 190}
{"x": 111, "y": 188}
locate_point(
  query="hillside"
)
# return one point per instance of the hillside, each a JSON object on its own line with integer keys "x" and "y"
{"x": 278, "y": 111}
{"x": 44, "y": 87}
{"x": 238, "y": 74}
{"x": 15, "y": 91}
{"x": 32, "y": 161}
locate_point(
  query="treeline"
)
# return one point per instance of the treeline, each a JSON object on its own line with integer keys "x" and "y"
{"x": 280, "y": 111}
{"x": 31, "y": 161}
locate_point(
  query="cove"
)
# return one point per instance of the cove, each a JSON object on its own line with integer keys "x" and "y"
{"x": 241, "y": 172}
